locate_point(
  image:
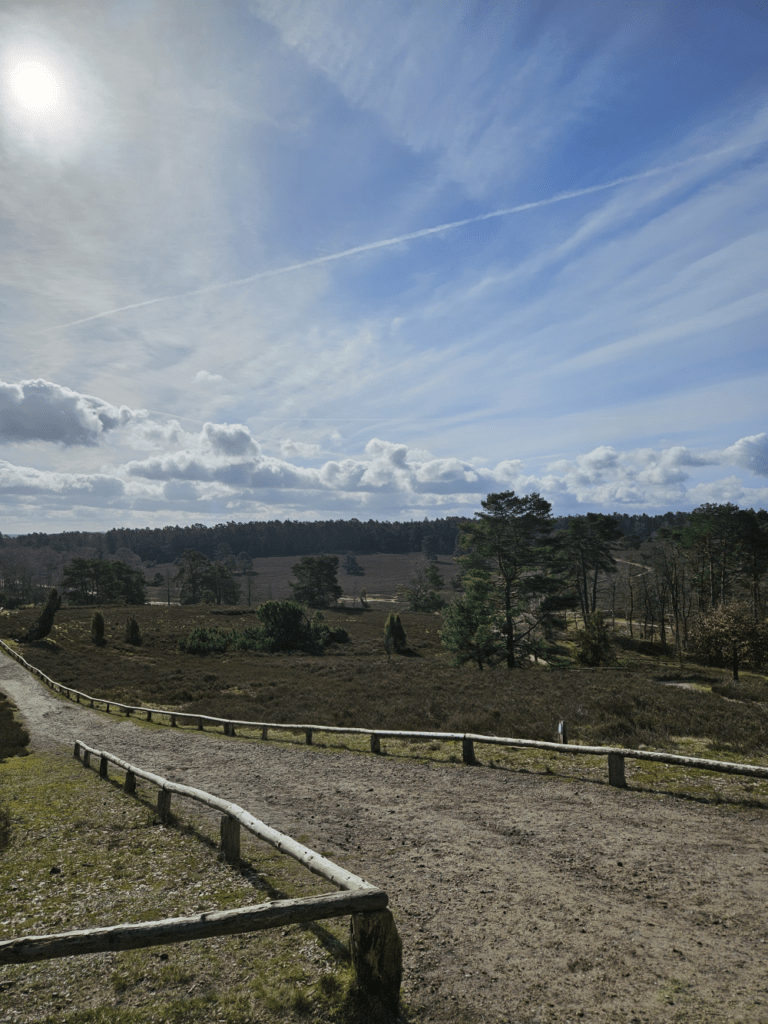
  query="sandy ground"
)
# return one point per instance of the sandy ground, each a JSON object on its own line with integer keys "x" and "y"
{"x": 519, "y": 897}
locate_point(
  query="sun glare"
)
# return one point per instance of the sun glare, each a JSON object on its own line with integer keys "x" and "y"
{"x": 34, "y": 86}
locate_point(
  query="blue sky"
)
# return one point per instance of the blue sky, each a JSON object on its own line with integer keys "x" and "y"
{"x": 247, "y": 267}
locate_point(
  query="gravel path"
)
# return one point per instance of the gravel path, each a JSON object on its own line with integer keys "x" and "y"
{"x": 519, "y": 897}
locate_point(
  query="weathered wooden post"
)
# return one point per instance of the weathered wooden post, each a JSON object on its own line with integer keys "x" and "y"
{"x": 264, "y": 732}
{"x": 468, "y": 752}
{"x": 164, "y": 804}
{"x": 616, "y": 771}
{"x": 377, "y": 960}
{"x": 200, "y": 725}
{"x": 129, "y": 786}
{"x": 77, "y": 750}
{"x": 308, "y": 737}
{"x": 103, "y": 767}
{"x": 173, "y": 721}
{"x": 77, "y": 698}
{"x": 91, "y": 701}
{"x": 375, "y": 744}
{"x": 562, "y": 733}
{"x": 86, "y": 759}
{"x": 128, "y": 712}
{"x": 149, "y": 716}
{"x": 230, "y": 839}
{"x": 107, "y": 707}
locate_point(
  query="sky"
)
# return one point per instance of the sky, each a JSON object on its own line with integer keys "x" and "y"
{"x": 282, "y": 259}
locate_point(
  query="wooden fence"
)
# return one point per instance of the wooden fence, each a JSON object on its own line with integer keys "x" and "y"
{"x": 375, "y": 945}
{"x": 616, "y": 756}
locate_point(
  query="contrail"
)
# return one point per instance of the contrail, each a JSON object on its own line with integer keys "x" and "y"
{"x": 410, "y": 236}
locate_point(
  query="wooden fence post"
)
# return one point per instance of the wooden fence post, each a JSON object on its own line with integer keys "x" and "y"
{"x": 164, "y": 804}
{"x": 308, "y": 737}
{"x": 91, "y": 701}
{"x": 468, "y": 752}
{"x": 173, "y": 721}
{"x": 230, "y": 839}
{"x": 377, "y": 960}
{"x": 616, "y": 771}
{"x": 200, "y": 725}
{"x": 149, "y": 716}
{"x": 77, "y": 750}
{"x": 107, "y": 707}
{"x": 129, "y": 786}
{"x": 562, "y": 733}
{"x": 264, "y": 732}
{"x": 86, "y": 759}
{"x": 375, "y": 744}
{"x": 103, "y": 767}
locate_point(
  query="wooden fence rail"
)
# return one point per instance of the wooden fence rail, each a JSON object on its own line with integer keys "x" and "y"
{"x": 375, "y": 946}
{"x": 616, "y": 756}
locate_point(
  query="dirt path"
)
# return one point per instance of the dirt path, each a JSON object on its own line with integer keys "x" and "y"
{"x": 519, "y": 897}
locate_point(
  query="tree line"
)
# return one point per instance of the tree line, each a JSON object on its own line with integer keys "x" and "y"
{"x": 283, "y": 538}
{"x": 703, "y": 580}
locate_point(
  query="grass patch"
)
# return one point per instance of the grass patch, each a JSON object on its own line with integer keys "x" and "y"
{"x": 82, "y": 853}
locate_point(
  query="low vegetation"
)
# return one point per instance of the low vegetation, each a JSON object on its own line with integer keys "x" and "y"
{"x": 355, "y": 684}
{"x": 83, "y": 854}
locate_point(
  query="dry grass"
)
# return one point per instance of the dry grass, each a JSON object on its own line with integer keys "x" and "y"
{"x": 83, "y": 854}
{"x": 355, "y": 684}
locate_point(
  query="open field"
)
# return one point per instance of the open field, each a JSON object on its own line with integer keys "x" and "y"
{"x": 355, "y": 684}
{"x": 525, "y": 889}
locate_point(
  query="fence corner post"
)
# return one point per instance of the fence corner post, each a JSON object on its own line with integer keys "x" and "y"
{"x": 164, "y": 804}
{"x": 468, "y": 752}
{"x": 377, "y": 960}
{"x": 616, "y": 771}
{"x": 230, "y": 839}
{"x": 375, "y": 744}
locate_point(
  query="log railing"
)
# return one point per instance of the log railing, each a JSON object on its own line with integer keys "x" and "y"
{"x": 375, "y": 947}
{"x": 616, "y": 755}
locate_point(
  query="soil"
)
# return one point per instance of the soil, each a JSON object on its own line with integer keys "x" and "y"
{"x": 519, "y": 897}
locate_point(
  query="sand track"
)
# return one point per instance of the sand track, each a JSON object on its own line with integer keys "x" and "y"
{"x": 519, "y": 897}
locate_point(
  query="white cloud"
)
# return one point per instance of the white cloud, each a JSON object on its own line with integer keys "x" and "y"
{"x": 37, "y": 410}
{"x": 301, "y": 449}
{"x": 204, "y": 375}
{"x": 749, "y": 452}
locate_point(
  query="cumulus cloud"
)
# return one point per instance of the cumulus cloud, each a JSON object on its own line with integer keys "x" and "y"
{"x": 301, "y": 449}
{"x": 37, "y": 410}
{"x": 222, "y": 470}
{"x": 749, "y": 452}
{"x": 204, "y": 375}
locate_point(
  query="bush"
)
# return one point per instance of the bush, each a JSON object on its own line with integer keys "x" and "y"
{"x": 132, "y": 631}
{"x": 205, "y": 641}
{"x": 593, "y": 643}
{"x": 394, "y": 634}
{"x": 97, "y": 628}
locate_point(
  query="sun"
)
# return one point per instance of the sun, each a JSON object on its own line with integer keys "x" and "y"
{"x": 33, "y": 85}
